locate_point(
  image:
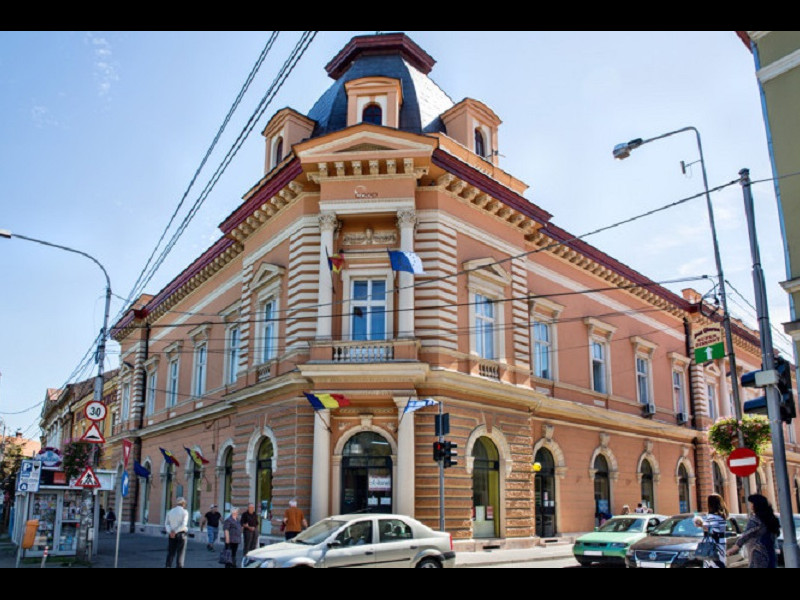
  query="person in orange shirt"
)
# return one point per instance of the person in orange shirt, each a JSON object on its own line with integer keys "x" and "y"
{"x": 293, "y": 520}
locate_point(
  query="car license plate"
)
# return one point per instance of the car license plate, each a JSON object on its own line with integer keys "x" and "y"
{"x": 652, "y": 565}
{"x": 593, "y": 553}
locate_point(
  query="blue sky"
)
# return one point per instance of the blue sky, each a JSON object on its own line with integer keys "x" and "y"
{"x": 102, "y": 131}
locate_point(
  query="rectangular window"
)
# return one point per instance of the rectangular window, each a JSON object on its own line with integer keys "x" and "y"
{"x": 152, "y": 380}
{"x": 711, "y": 395}
{"x": 200, "y": 356}
{"x": 270, "y": 327}
{"x": 233, "y": 354}
{"x": 172, "y": 389}
{"x": 126, "y": 400}
{"x": 643, "y": 380}
{"x": 599, "y": 367}
{"x": 484, "y": 327}
{"x": 368, "y": 310}
{"x": 677, "y": 392}
{"x": 542, "y": 346}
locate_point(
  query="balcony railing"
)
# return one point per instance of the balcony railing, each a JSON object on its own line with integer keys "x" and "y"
{"x": 364, "y": 351}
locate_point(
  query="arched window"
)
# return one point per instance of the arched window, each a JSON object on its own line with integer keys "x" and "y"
{"x": 648, "y": 497}
{"x": 372, "y": 114}
{"x": 366, "y": 474}
{"x": 683, "y": 490}
{"x": 485, "y": 488}
{"x": 545, "y": 494}
{"x": 278, "y": 150}
{"x": 263, "y": 499}
{"x": 602, "y": 489}
{"x": 719, "y": 483}
{"x": 227, "y": 483}
{"x": 480, "y": 144}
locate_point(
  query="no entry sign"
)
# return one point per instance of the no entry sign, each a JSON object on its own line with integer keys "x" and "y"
{"x": 743, "y": 462}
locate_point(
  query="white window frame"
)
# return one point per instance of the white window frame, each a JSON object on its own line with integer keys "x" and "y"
{"x": 711, "y": 400}
{"x": 173, "y": 381}
{"x": 545, "y": 313}
{"x": 353, "y": 274}
{"x": 487, "y": 279}
{"x": 600, "y": 335}
{"x": 643, "y": 351}
{"x": 542, "y": 347}
{"x": 152, "y": 382}
{"x": 233, "y": 347}
{"x": 200, "y": 372}
{"x": 680, "y": 365}
{"x": 484, "y": 326}
{"x": 268, "y": 349}
{"x": 125, "y": 403}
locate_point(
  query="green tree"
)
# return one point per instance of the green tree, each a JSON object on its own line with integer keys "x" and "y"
{"x": 9, "y": 467}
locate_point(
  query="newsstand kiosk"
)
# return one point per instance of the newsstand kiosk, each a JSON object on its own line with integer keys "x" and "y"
{"x": 55, "y": 504}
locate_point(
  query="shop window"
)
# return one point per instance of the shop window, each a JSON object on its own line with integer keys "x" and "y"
{"x": 602, "y": 490}
{"x": 646, "y": 472}
{"x": 684, "y": 494}
{"x": 227, "y": 483}
{"x": 366, "y": 474}
{"x": 263, "y": 500}
{"x": 485, "y": 489}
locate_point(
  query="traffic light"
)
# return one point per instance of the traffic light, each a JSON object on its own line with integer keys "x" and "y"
{"x": 783, "y": 374}
{"x": 786, "y": 397}
{"x": 438, "y": 451}
{"x": 450, "y": 454}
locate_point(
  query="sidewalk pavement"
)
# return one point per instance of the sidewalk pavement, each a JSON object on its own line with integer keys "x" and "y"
{"x": 140, "y": 551}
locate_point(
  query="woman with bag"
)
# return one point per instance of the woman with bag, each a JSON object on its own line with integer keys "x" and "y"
{"x": 233, "y": 537}
{"x": 759, "y": 535}
{"x": 714, "y": 525}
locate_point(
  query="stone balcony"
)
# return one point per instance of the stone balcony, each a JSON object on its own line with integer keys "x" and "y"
{"x": 364, "y": 351}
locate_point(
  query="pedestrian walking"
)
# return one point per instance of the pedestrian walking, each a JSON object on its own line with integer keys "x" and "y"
{"x": 626, "y": 510}
{"x": 211, "y": 521}
{"x": 111, "y": 518}
{"x": 294, "y": 521}
{"x": 177, "y": 526}
{"x": 232, "y": 528}
{"x": 762, "y": 529}
{"x": 249, "y": 522}
{"x": 102, "y": 518}
{"x": 714, "y": 524}
{"x": 640, "y": 508}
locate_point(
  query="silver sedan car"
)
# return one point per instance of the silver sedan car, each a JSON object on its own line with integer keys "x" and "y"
{"x": 359, "y": 540}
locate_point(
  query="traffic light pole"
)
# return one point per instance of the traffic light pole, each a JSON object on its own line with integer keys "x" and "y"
{"x": 441, "y": 471}
{"x": 790, "y": 547}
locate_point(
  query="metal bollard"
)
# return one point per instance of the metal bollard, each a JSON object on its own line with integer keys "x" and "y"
{"x": 44, "y": 558}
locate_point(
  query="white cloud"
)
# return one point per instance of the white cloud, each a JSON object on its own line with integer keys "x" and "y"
{"x": 41, "y": 117}
{"x": 105, "y": 72}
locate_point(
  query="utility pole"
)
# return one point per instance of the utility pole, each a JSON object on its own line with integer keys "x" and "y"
{"x": 790, "y": 547}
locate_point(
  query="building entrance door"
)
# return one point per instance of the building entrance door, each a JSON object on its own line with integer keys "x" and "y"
{"x": 366, "y": 474}
{"x": 545, "y": 486}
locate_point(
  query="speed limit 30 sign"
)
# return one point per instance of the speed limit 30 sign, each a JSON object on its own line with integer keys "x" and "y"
{"x": 95, "y": 411}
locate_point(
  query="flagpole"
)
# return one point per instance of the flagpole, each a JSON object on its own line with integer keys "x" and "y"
{"x": 404, "y": 412}
{"x": 330, "y": 271}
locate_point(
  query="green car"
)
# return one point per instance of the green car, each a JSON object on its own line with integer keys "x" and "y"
{"x": 608, "y": 543}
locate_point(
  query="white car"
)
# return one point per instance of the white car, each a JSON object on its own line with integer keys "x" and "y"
{"x": 359, "y": 540}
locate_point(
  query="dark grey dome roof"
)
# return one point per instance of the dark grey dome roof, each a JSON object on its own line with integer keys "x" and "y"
{"x": 423, "y": 100}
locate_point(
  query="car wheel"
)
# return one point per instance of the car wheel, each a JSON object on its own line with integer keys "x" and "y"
{"x": 429, "y": 563}
{"x": 583, "y": 562}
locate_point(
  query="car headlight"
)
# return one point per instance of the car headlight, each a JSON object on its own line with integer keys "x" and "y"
{"x": 267, "y": 564}
{"x": 686, "y": 554}
{"x": 618, "y": 545}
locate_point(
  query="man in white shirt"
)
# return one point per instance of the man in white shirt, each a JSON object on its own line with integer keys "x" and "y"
{"x": 177, "y": 526}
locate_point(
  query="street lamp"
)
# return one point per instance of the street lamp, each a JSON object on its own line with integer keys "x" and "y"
{"x": 622, "y": 151}
{"x": 99, "y": 358}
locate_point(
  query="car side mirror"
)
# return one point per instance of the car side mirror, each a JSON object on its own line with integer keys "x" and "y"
{"x": 335, "y": 544}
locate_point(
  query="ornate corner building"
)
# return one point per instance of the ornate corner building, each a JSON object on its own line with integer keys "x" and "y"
{"x": 539, "y": 347}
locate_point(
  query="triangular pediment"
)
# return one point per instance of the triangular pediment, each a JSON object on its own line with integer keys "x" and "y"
{"x": 364, "y": 139}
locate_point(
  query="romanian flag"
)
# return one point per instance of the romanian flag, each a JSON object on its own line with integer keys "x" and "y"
{"x": 322, "y": 401}
{"x": 168, "y": 456}
{"x": 336, "y": 262}
{"x": 196, "y": 456}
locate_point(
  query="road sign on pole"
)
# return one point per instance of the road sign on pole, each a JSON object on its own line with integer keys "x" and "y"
{"x": 93, "y": 435}
{"x": 87, "y": 479}
{"x": 95, "y": 410}
{"x": 708, "y": 344}
{"x": 743, "y": 462}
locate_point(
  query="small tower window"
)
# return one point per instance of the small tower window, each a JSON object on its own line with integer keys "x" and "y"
{"x": 278, "y": 150}
{"x": 372, "y": 114}
{"x": 480, "y": 146}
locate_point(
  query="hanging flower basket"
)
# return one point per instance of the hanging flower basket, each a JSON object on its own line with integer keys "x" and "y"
{"x": 77, "y": 456}
{"x": 724, "y": 434}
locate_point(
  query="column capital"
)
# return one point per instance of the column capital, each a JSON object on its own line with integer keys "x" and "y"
{"x": 328, "y": 221}
{"x": 406, "y": 218}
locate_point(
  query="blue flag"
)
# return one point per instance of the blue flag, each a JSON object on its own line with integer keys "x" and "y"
{"x": 140, "y": 470}
{"x": 405, "y": 261}
{"x": 417, "y": 403}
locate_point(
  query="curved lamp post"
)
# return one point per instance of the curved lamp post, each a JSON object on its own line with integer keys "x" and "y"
{"x": 99, "y": 358}
{"x": 622, "y": 151}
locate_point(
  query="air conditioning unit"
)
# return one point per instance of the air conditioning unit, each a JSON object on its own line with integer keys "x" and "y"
{"x": 649, "y": 409}
{"x": 682, "y": 418}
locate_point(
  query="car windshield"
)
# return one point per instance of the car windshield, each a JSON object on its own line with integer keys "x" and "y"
{"x": 623, "y": 524}
{"x": 318, "y": 532}
{"x": 679, "y": 527}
